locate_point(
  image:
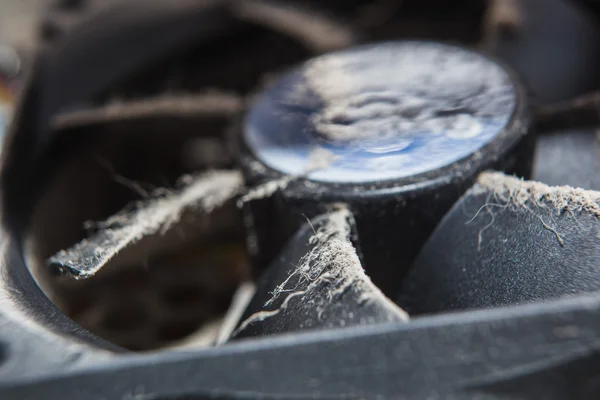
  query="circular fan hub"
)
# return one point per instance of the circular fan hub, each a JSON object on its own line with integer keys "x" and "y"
{"x": 381, "y": 112}
{"x": 397, "y": 131}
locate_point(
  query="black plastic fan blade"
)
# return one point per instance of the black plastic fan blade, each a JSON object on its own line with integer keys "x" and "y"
{"x": 506, "y": 242}
{"x": 489, "y": 250}
{"x": 317, "y": 282}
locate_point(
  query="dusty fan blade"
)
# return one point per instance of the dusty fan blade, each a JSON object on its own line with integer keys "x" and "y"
{"x": 317, "y": 282}
{"x": 507, "y": 242}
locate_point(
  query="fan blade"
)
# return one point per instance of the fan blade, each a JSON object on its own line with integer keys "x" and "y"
{"x": 506, "y": 242}
{"x": 555, "y": 49}
{"x": 317, "y": 282}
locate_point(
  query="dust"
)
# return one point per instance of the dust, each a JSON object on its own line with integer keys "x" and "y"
{"x": 318, "y": 159}
{"x": 161, "y": 210}
{"x": 506, "y": 192}
{"x": 520, "y": 192}
{"x": 332, "y": 258}
{"x": 417, "y": 96}
{"x": 266, "y": 189}
{"x": 202, "y": 194}
{"x": 201, "y": 104}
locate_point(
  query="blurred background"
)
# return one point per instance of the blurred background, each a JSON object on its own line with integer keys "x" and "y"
{"x": 17, "y": 22}
{"x": 18, "y": 34}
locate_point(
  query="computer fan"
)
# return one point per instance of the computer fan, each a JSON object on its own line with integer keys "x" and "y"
{"x": 302, "y": 199}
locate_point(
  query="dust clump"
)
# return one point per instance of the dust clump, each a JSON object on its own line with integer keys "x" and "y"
{"x": 318, "y": 159}
{"x": 333, "y": 260}
{"x": 204, "y": 104}
{"x": 515, "y": 194}
{"x": 200, "y": 194}
{"x": 519, "y": 192}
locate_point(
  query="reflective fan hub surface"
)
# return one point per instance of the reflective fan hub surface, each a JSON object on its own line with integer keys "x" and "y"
{"x": 381, "y": 112}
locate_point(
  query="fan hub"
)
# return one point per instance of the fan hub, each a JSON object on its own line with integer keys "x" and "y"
{"x": 384, "y": 112}
{"x": 396, "y": 131}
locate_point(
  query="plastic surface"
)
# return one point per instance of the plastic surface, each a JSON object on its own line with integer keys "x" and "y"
{"x": 362, "y": 123}
{"x": 534, "y": 351}
{"x": 506, "y": 243}
{"x": 325, "y": 288}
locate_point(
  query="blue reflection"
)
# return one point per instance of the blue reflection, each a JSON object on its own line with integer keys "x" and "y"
{"x": 384, "y": 111}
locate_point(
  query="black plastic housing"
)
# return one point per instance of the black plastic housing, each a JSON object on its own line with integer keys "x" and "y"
{"x": 545, "y": 350}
